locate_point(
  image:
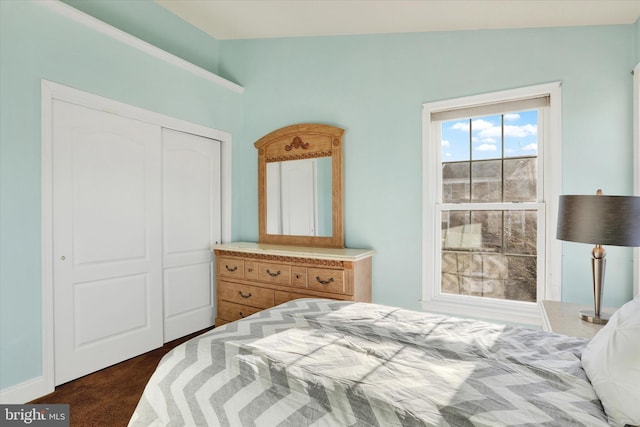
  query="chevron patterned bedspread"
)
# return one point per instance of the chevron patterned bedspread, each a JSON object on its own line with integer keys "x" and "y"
{"x": 333, "y": 363}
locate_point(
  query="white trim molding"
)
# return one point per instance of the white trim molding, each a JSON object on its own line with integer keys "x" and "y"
{"x": 26, "y": 391}
{"x": 549, "y": 247}
{"x": 51, "y": 91}
{"x": 636, "y": 168}
{"x": 89, "y": 21}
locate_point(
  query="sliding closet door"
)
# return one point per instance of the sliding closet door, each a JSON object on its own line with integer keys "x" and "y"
{"x": 191, "y": 224}
{"x": 107, "y": 242}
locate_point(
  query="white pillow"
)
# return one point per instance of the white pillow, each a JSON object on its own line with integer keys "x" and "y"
{"x": 612, "y": 363}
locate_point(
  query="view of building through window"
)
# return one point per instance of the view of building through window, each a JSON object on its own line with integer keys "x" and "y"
{"x": 490, "y": 165}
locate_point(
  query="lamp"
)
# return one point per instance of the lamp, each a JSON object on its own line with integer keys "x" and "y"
{"x": 599, "y": 220}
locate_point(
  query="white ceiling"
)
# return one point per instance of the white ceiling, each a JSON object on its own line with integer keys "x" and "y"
{"x": 244, "y": 19}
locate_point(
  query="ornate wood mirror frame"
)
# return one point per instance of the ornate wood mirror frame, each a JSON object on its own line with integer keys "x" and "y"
{"x": 297, "y": 142}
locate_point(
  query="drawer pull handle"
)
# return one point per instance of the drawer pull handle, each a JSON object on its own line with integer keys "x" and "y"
{"x": 297, "y": 276}
{"x": 324, "y": 282}
{"x": 250, "y": 270}
{"x": 243, "y": 295}
{"x": 241, "y": 315}
{"x": 235, "y": 267}
{"x": 276, "y": 274}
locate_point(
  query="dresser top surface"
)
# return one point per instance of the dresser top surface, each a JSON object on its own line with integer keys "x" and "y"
{"x": 343, "y": 254}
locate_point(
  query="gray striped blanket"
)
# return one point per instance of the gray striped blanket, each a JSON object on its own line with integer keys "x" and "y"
{"x": 317, "y": 362}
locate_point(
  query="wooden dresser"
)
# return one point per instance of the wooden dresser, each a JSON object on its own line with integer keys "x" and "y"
{"x": 253, "y": 276}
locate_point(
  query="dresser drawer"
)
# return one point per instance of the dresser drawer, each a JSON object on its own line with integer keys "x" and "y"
{"x": 327, "y": 280}
{"x": 299, "y": 277}
{"x": 251, "y": 270}
{"x": 274, "y": 273}
{"x": 230, "y": 267}
{"x": 230, "y": 311}
{"x": 245, "y": 295}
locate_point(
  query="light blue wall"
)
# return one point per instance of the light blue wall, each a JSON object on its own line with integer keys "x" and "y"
{"x": 374, "y": 86}
{"x": 637, "y": 40}
{"x": 35, "y": 44}
{"x": 152, "y": 23}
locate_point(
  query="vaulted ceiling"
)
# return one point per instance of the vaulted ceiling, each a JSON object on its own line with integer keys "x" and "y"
{"x": 234, "y": 19}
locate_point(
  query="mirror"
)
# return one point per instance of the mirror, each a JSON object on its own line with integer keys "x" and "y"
{"x": 299, "y": 197}
{"x": 300, "y": 186}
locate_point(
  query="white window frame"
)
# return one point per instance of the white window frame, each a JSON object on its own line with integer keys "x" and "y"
{"x": 636, "y": 168}
{"x": 549, "y": 248}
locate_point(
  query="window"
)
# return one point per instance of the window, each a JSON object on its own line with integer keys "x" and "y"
{"x": 491, "y": 180}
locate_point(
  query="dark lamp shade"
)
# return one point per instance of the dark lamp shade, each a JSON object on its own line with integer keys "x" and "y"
{"x": 601, "y": 220}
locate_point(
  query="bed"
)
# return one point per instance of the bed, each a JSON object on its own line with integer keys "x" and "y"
{"x": 333, "y": 363}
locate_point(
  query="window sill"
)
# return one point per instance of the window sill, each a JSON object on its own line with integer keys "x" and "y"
{"x": 525, "y": 313}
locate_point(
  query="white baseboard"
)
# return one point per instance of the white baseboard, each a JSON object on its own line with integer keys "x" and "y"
{"x": 25, "y": 392}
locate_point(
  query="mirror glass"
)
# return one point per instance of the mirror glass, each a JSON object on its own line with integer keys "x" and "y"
{"x": 299, "y": 197}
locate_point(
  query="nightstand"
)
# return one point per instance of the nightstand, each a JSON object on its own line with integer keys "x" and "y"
{"x": 564, "y": 318}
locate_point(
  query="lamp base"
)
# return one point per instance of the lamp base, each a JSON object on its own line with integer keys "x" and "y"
{"x": 590, "y": 316}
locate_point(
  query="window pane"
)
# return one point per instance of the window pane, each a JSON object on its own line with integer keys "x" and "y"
{"x": 474, "y": 230}
{"x": 456, "y": 182}
{"x": 458, "y": 232}
{"x": 520, "y": 179}
{"x": 521, "y": 134}
{"x": 491, "y": 228}
{"x": 486, "y": 137}
{"x": 476, "y": 262}
{"x": 520, "y": 232}
{"x": 521, "y": 283}
{"x": 486, "y": 181}
{"x": 456, "y": 137}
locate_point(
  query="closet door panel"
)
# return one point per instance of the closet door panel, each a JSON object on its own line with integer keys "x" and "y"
{"x": 191, "y": 224}
{"x": 107, "y": 272}
{"x": 185, "y": 292}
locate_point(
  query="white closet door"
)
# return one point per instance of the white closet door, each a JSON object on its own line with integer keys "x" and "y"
{"x": 191, "y": 224}
{"x": 106, "y": 239}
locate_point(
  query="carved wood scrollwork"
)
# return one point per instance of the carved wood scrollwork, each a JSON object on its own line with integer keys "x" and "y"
{"x": 297, "y": 143}
{"x": 284, "y": 259}
{"x": 300, "y": 156}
